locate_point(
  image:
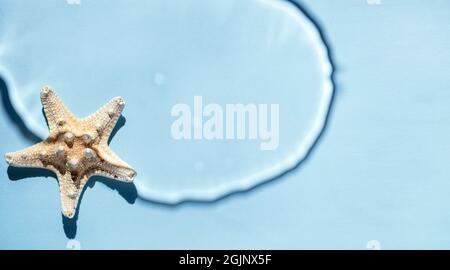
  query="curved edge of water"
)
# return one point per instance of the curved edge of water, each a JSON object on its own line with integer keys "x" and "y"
{"x": 289, "y": 164}
{"x": 19, "y": 108}
{"x": 324, "y": 53}
{"x": 16, "y": 109}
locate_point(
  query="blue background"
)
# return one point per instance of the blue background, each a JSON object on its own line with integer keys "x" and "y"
{"x": 379, "y": 172}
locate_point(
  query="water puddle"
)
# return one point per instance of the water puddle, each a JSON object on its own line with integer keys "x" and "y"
{"x": 162, "y": 54}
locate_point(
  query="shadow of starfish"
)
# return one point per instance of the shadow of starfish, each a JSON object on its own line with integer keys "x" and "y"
{"x": 126, "y": 190}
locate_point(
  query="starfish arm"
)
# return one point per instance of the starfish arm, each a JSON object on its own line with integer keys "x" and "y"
{"x": 114, "y": 167}
{"x": 105, "y": 119}
{"x": 55, "y": 111}
{"x": 28, "y": 157}
{"x": 70, "y": 192}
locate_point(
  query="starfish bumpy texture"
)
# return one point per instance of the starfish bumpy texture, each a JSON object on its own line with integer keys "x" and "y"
{"x": 75, "y": 149}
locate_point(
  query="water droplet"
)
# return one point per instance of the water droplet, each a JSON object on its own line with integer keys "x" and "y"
{"x": 159, "y": 79}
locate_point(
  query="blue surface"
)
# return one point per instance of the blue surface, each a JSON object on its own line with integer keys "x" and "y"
{"x": 379, "y": 172}
{"x": 167, "y": 53}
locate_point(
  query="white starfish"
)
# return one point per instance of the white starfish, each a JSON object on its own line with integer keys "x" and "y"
{"x": 75, "y": 149}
